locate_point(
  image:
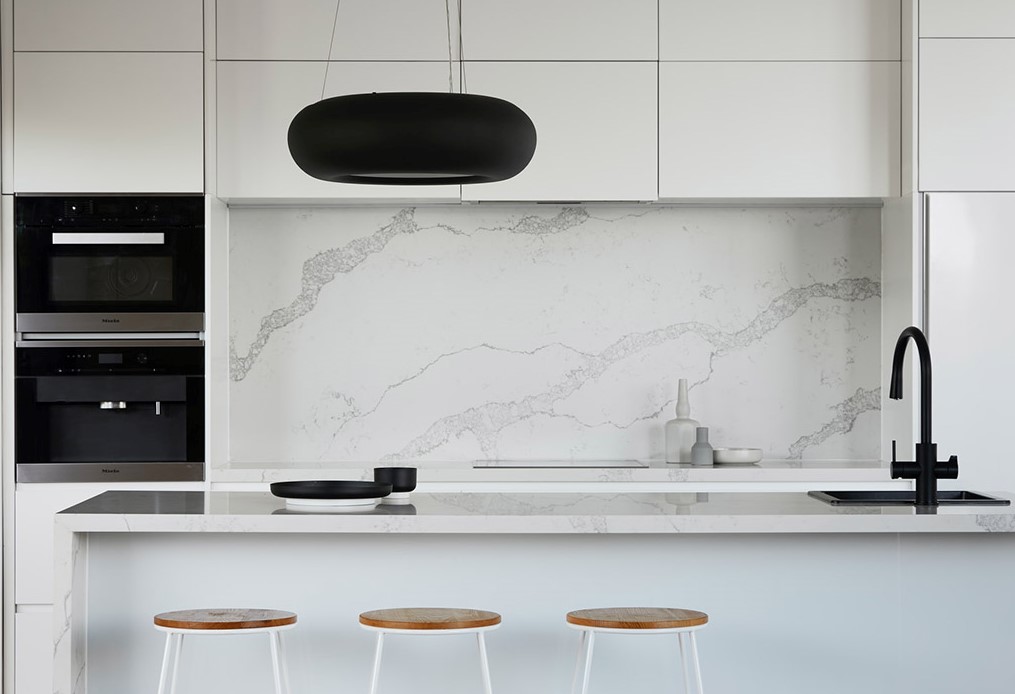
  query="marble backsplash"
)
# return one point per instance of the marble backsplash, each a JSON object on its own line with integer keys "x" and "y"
{"x": 550, "y": 332}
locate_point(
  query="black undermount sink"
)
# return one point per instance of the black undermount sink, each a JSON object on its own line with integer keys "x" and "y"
{"x": 904, "y": 497}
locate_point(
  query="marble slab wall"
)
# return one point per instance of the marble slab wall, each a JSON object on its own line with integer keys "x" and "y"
{"x": 550, "y": 332}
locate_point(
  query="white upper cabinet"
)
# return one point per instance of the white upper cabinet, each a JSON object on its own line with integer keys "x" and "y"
{"x": 779, "y": 129}
{"x": 559, "y": 30}
{"x": 966, "y": 115}
{"x": 108, "y": 122}
{"x": 108, "y": 25}
{"x": 365, "y": 29}
{"x": 257, "y": 101}
{"x": 778, "y": 29}
{"x": 595, "y": 129}
{"x": 968, "y": 18}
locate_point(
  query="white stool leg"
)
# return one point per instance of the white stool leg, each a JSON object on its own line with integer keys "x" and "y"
{"x": 588, "y": 661}
{"x": 377, "y": 662}
{"x": 166, "y": 659}
{"x": 685, "y": 665}
{"x": 578, "y": 661}
{"x": 276, "y": 666}
{"x": 178, "y": 638}
{"x": 283, "y": 661}
{"x": 484, "y": 663}
{"x": 694, "y": 662}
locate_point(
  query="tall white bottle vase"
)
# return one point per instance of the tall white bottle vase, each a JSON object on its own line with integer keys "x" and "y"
{"x": 680, "y": 432}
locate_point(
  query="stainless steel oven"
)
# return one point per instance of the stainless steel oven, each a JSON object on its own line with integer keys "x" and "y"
{"x": 109, "y": 410}
{"x": 111, "y": 263}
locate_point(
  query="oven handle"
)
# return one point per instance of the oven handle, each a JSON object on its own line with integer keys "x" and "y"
{"x": 109, "y": 343}
{"x": 98, "y": 238}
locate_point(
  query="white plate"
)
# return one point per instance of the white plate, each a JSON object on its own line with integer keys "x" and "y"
{"x": 736, "y": 456}
{"x": 331, "y": 502}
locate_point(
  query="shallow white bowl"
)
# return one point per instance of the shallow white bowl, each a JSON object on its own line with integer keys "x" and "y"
{"x": 736, "y": 456}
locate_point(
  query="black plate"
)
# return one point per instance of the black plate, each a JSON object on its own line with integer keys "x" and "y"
{"x": 330, "y": 489}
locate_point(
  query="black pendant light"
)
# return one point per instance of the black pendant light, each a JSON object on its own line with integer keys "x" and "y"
{"x": 412, "y": 138}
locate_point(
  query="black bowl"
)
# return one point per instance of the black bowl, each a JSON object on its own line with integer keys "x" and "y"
{"x": 330, "y": 489}
{"x": 401, "y": 479}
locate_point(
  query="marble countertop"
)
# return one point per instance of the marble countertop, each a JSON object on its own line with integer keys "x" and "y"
{"x": 838, "y": 471}
{"x": 659, "y": 513}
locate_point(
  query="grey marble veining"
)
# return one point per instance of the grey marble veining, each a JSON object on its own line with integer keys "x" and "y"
{"x": 461, "y": 333}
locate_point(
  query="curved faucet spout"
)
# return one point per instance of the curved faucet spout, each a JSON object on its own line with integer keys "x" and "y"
{"x": 895, "y": 391}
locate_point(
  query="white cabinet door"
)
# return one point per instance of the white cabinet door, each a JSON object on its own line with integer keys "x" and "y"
{"x": 785, "y": 130}
{"x": 364, "y": 30}
{"x": 108, "y": 122}
{"x": 33, "y": 652}
{"x": 969, "y": 18}
{"x": 108, "y": 25}
{"x": 559, "y": 30}
{"x": 595, "y": 129}
{"x": 966, "y": 116}
{"x": 970, "y": 248}
{"x": 257, "y": 101}
{"x": 34, "y": 508}
{"x": 779, "y": 30}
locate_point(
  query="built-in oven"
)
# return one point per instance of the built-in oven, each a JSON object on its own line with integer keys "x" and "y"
{"x": 112, "y": 263}
{"x": 109, "y": 410}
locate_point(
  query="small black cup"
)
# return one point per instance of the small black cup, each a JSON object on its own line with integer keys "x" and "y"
{"x": 401, "y": 479}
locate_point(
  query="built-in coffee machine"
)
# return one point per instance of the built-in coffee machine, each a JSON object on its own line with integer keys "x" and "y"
{"x": 109, "y": 352}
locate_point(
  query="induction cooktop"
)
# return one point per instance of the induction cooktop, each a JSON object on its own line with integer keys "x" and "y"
{"x": 558, "y": 463}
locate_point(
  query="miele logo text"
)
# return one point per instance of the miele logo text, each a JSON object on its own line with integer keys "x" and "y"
{"x": 107, "y": 469}
{"x": 110, "y": 320}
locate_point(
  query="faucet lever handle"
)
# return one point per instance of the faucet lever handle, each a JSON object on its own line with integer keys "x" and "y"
{"x": 893, "y": 450}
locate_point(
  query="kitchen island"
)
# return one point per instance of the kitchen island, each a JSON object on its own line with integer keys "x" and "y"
{"x": 803, "y": 596}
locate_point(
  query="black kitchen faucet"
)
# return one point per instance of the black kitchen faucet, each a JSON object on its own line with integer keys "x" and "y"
{"x": 926, "y": 470}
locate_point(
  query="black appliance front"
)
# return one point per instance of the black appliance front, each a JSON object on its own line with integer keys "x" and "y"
{"x": 109, "y": 410}
{"x": 109, "y": 263}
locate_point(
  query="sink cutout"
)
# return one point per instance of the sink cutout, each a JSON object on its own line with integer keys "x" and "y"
{"x": 904, "y": 497}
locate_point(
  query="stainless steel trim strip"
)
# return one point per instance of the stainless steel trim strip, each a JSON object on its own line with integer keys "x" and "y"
{"x": 109, "y": 472}
{"x": 148, "y": 238}
{"x": 189, "y": 342}
{"x": 108, "y": 322}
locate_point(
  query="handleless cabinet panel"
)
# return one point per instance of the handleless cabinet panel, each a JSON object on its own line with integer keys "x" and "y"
{"x": 108, "y": 25}
{"x": 33, "y": 652}
{"x": 559, "y": 30}
{"x": 781, "y": 130}
{"x": 35, "y": 506}
{"x": 257, "y": 101}
{"x": 595, "y": 129}
{"x": 364, "y": 30}
{"x": 966, "y": 115}
{"x": 969, "y": 18}
{"x": 108, "y": 122}
{"x": 779, "y": 30}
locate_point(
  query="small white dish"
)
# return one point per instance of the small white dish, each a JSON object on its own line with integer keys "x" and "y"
{"x": 331, "y": 503}
{"x": 736, "y": 456}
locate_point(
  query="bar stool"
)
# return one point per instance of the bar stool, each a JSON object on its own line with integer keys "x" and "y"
{"x": 221, "y": 622}
{"x": 430, "y": 621}
{"x": 639, "y": 620}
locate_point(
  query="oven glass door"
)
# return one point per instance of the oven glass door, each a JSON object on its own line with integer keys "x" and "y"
{"x": 110, "y": 272}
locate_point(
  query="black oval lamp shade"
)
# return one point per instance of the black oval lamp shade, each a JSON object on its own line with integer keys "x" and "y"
{"x": 412, "y": 138}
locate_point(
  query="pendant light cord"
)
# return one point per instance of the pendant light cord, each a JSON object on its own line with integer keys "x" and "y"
{"x": 447, "y": 14}
{"x": 331, "y": 47}
{"x": 461, "y": 50}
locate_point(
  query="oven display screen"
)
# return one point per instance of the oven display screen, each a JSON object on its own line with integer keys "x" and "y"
{"x": 110, "y": 358}
{"x": 96, "y": 279}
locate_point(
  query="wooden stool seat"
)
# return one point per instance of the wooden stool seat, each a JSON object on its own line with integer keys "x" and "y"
{"x": 224, "y": 619}
{"x": 637, "y": 618}
{"x": 429, "y": 618}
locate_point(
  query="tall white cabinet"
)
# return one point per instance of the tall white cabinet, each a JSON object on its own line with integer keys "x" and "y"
{"x": 108, "y": 96}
